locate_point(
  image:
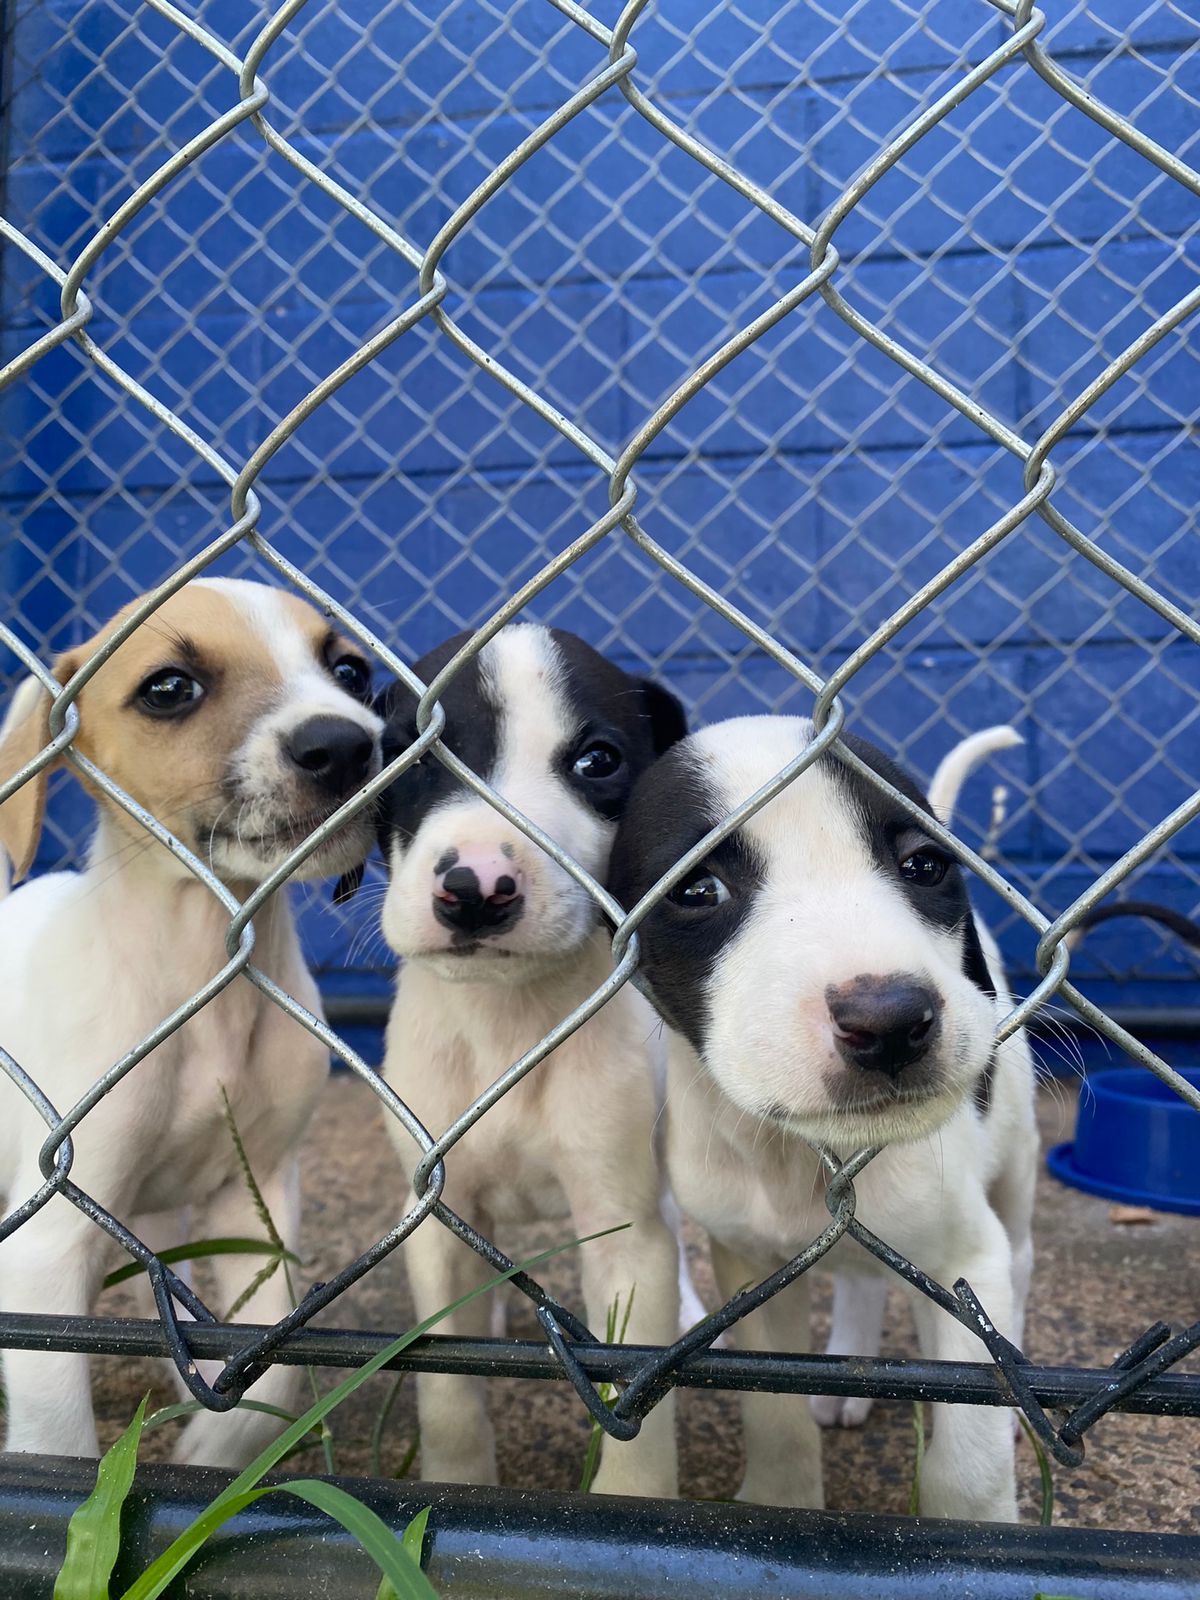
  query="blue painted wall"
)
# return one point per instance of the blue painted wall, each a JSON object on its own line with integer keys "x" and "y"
{"x": 1018, "y": 248}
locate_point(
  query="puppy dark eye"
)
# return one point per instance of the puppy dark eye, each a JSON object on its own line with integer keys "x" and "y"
{"x": 699, "y": 894}
{"x": 599, "y": 760}
{"x": 353, "y": 675}
{"x": 167, "y": 694}
{"x": 925, "y": 868}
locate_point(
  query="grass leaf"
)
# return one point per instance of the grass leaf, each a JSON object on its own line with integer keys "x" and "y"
{"x": 606, "y": 1391}
{"x": 256, "y": 1195}
{"x": 414, "y": 1535}
{"x": 264, "y": 1273}
{"x": 413, "y": 1540}
{"x": 189, "y": 1408}
{"x": 196, "y": 1250}
{"x": 918, "y": 1419}
{"x": 380, "y": 1423}
{"x": 409, "y": 1456}
{"x": 180, "y": 1551}
{"x": 94, "y": 1531}
{"x": 263, "y": 1212}
{"x": 1047, "y": 1476}
{"x": 394, "y": 1558}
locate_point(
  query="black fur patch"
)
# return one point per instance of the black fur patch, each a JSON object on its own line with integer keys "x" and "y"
{"x": 471, "y": 733}
{"x": 605, "y": 705}
{"x": 671, "y": 810}
{"x": 945, "y": 905}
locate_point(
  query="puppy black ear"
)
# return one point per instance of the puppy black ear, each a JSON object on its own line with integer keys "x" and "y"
{"x": 668, "y": 722}
{"x": 348, "y": 884}
{"x": 385, "y": 699}
{"x": 974, "y": 962}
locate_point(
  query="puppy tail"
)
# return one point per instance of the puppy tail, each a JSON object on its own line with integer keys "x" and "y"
{"x": 957, "y": 765}
{"x": 1183, "y": 927}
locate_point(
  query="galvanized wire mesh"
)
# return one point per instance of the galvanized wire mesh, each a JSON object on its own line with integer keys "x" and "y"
{"x": 124, "y": 233}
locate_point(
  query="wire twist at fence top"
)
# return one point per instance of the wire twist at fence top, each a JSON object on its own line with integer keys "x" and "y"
{"x": 430, "y": 312}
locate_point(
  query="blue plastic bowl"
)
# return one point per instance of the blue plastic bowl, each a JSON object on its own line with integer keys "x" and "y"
{"x": 1135, "y": 1141}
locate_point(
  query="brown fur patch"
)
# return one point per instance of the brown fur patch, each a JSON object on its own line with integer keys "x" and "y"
{"x": 175, "y": 767}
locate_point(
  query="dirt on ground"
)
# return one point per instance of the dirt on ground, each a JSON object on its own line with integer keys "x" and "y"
{"x": 1098, "y": 1283}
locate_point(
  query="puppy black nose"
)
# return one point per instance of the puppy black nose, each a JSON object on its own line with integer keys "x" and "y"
{"x": 333, "y": 751}
{"x": 468, "y": 905}
{"x": 883, "y": 1024}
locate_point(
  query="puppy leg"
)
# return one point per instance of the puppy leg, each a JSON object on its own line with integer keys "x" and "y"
{"x": 1012, "y": 1198}
{"x": 969, "y": 1468}
{"x": 232, "y": 1438}
{"x": 691, "y": 1308}
{"x": 54, "y": 1264}
{"x": 458, "y": 1444}
{"x": 783, "y": 1443}
{"x": 859, "y": 1301}
{"x": 641, "y": 1261}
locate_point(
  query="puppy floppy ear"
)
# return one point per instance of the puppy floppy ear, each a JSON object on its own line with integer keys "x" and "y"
{"x": 668, "y": 722}
{"x": 25, "y": 731}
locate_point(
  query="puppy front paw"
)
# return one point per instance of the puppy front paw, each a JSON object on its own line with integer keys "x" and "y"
{"x": 840, "y": 1410}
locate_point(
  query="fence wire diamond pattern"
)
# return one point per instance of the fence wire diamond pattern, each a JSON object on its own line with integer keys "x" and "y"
{"x": 343, "y": 362}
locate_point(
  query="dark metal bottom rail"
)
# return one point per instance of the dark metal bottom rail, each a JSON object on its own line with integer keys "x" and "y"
{"x": 973, "y": 1383}
{"x": 506, "y": 1544}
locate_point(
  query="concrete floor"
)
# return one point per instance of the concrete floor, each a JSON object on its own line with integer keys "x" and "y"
{"x": 1097, "y": 1285}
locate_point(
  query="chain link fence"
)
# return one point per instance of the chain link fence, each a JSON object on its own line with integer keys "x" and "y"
{"x": 808, "y": 360}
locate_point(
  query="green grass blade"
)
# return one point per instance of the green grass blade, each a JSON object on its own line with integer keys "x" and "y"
{"x": 181, "y": 1550}
{"x": 94, "y": 1532}
{"x": 196, "y": 1250}
{"x": 380, "y": 1423}
{"x": 263, "y": 1212}
{"x": 261, "y": 1208}
{"x": 264, "y": 1274}
{"x": 189, "y": 1408}
{"x": 413, "y": 1540}
{"x": 409, "y": 1456}
{"x": 918, "y": 1420}
{"x": 606, "y": 1391}
{"x": 1047, "y": 1477}
{"x": 394, "y": 1557}
{"x": 591, "y": 1459}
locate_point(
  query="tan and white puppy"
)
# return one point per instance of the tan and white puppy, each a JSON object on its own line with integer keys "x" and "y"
{"x": 824, "y": 979}
{"x": 499, "y": 945}
{"x": 236, "y": 715}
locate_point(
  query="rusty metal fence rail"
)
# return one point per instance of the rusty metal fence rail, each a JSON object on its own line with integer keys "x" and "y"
{"x": 1140, "y": 1378}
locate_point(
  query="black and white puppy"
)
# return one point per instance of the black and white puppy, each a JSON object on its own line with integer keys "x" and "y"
{"x": 499, "y": 945}
{"x": 824, "y": 979}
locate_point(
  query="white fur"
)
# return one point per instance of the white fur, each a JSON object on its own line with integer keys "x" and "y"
{"x": 91, "y": 962}
{"x": 952, "y": 1190}
{"x": 859, "y": 1301}
{"x": 573, "y": 1139}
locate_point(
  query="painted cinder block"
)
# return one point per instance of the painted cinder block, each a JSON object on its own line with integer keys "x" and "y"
{"x": 818, "y": 489}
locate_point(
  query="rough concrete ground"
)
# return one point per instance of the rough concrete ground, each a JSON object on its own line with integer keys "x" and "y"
{"x": 1097, "y": 1285}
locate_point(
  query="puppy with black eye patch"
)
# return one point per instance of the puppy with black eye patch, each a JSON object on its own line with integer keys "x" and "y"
{"x": 499, "y": 945}
{"x": 824, "y": 979}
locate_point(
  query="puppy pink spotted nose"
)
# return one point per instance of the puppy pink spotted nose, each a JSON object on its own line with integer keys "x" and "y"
{"x": 477, "y": 892}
